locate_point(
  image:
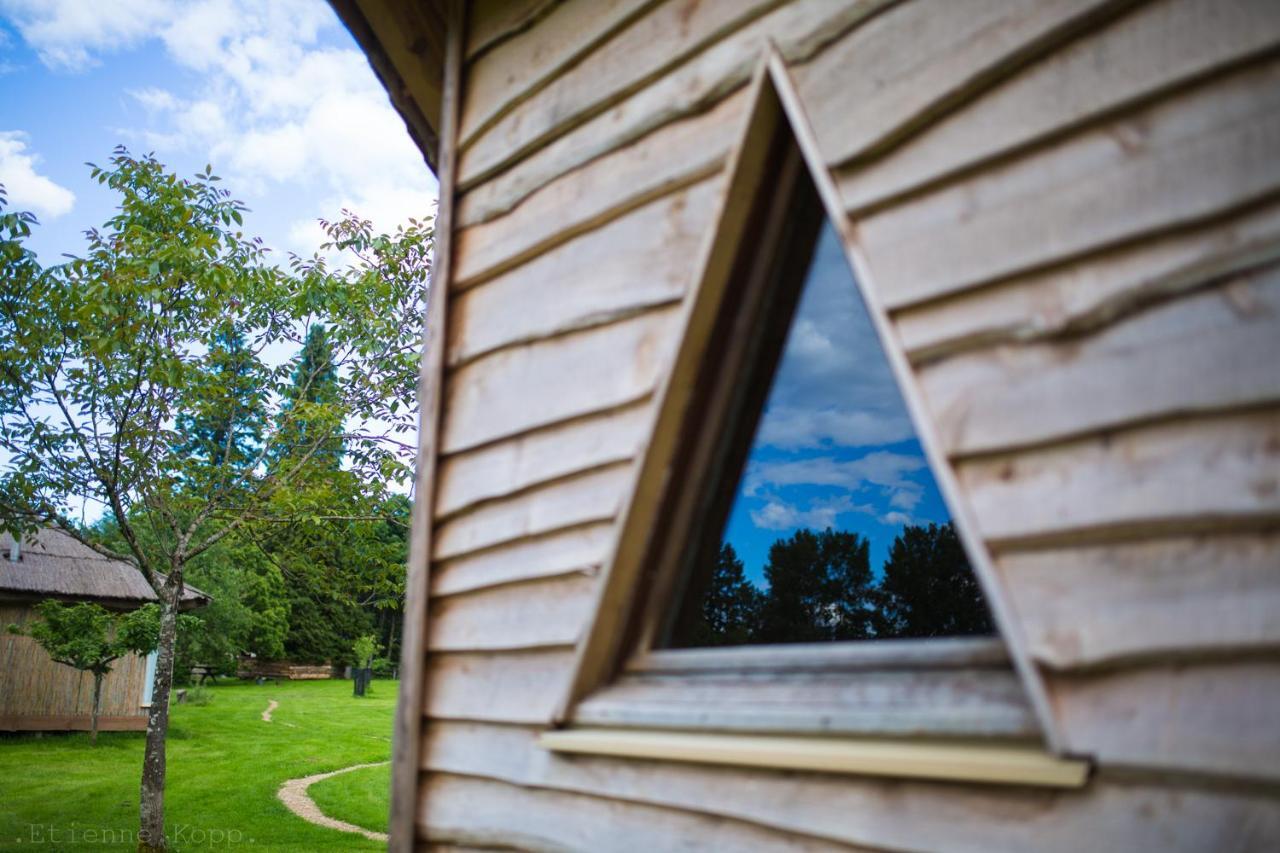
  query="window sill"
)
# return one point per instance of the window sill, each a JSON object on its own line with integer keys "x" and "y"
{"x": 907, "y": 759}
{"x": 910, "y": 690}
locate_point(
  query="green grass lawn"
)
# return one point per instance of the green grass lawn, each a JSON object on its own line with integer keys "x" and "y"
{"x": 225, "y": 764}
{"x": 358, "y": 797}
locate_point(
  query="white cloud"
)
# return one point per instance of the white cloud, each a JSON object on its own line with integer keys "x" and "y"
{"x": 777, "y": 514}
{"x": 279, "y": 107}
{"x": 27, "y": 188}
{"x": 878, "y": 468}
{"x": 834, "y": 387}
{"x": 67, "y": 33}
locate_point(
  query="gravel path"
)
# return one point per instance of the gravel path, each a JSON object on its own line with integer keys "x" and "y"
{"x": 293, "y": 794}
{"x": 271, "y": 706}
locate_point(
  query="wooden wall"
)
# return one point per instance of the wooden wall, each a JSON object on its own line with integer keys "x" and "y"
{"x": 1071, "y": 209}
{"x": 37, "y": 694}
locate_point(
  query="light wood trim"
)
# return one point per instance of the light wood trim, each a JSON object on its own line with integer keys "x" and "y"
{"x": 906, "y": 759}
{"x": 825, "y": 657}
{"x": 407, "y": 737}
{"x": 1010, "y": 629}
{"x": 403, "y": 42}
{"x": 601, "y": 644}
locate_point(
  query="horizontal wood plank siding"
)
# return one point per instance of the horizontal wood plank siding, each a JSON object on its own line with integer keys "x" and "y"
{"x": 1101, "y": 187}
{"x": 1211, "y": 718}
{"x": 1071, "y": 211}
{"x": 1203, "y": 473}
{"x": 1185, "y": 597}
{"x": 575, "y": 549}
{"x": 1132, "y": 371}
{"x": 470, "y": 810}
{"x": 883, "y": 91}
{"x": 798, "y": 30}
{"x": 539, "y": 384}
{"x": 1097, "y": 290}
{"x": 546, "y": 612}
{"x": 1141, "y": 55}
{"x": 625, "y": 63}
{"x": 871, "y": 812}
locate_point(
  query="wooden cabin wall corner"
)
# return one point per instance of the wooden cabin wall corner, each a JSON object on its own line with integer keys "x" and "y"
{"x": 405, "y": 775}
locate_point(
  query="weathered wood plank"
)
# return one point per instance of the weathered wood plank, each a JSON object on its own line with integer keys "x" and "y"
{"x": 526, "y": 62}
{"x": 535, "y": 385}
{"x": 643, "y": 51}
{"x": 471, "y": 810}
{"x": 1152, "y": 50}
{"x": 798, "y": 30}
{"x": 493, "y": 21}
{"x": 408, "y": 720}
{"x": 1185, "y": 597}
{"x": 514, "y": 616}
{"x": 679, "y": 155}
{"x": 589, "y": 497}
{"x": 1093, "y": 291}
{"x": 512, "y": 466}
{"x": 1183, "y": 475}
{"x": 1214, "y": 718}
{"x": 636, "y": 262}
{"x": 921, "y": 58}
{"x": 877, "y": 813}
{"x": 578, "y": 549}
{"x": 407, "y": 45}
{"x": 933, "y": 703}
{"x": 1176, "y": 163}
{"x": 944, "y": 652}
{"x": 1214, "y": 350}
{"x": 502, "y": 687}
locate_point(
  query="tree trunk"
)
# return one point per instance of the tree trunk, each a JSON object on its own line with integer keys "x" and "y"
{"x": 93, "y": 715}
{"x": 151, "y": 808}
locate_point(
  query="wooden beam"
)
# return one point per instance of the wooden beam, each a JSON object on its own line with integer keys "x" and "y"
{"x": 956, "y": 762}
{"x": 407, "y": 735}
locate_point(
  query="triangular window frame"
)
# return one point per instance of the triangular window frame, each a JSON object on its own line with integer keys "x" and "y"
{"x": 637, "y": 577}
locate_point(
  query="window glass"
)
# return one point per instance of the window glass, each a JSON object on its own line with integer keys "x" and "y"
{"x": 837, "y": 530}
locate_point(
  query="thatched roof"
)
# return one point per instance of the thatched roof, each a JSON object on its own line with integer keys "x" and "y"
{"x": 53, "y": 564}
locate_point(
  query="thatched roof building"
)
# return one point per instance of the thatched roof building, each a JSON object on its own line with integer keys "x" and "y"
{"x": 53, "y": 564}
{"x": 37, "y": 694}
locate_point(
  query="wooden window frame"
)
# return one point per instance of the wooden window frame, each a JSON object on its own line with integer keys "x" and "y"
{"x": 951, "y": 708}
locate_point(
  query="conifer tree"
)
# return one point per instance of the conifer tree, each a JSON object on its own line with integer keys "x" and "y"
{"x": 225, "y": 426}
{"x": 929, "y": 588}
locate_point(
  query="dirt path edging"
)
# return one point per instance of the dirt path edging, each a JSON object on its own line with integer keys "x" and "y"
{"x": 293, "y": 793}
{"x": 271, "y": 706}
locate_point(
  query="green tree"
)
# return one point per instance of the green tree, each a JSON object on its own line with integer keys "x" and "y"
{"x": 90, "y": 639}
{"x": 310, "y": 418}
{"x": 820, "y": 588}
{"x": 929, "y": 588}
{"x": 100, "y": 356}
{"x": 225, "y": 428}
{"x": 730, "y": 609}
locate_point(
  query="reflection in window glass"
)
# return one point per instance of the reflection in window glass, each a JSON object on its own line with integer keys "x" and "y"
{"x": 837, "y": 530}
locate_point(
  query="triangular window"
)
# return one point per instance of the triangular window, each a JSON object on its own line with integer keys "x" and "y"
{"x": 824, "y": 521}
{"x": 790, "y": 511}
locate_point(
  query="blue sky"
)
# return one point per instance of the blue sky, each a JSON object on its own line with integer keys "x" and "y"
{"x": 274, "y": 94}
{"x": 835, "y": 446}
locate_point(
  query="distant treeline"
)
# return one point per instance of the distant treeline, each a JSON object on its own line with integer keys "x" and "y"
{"x": 821, "y": 588}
